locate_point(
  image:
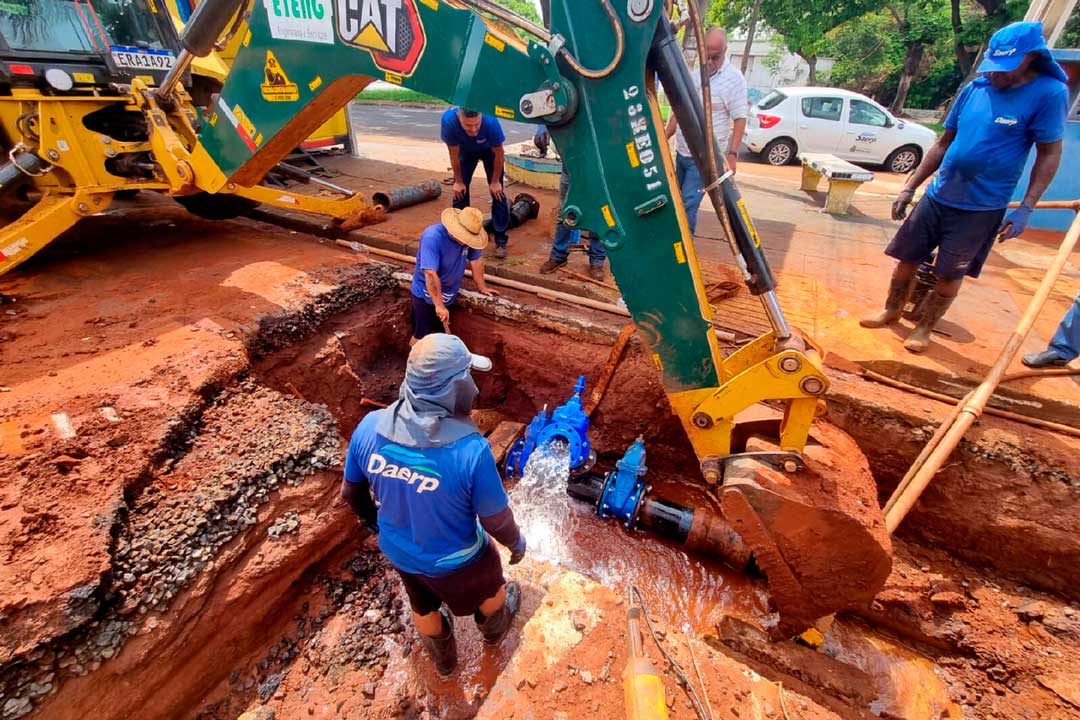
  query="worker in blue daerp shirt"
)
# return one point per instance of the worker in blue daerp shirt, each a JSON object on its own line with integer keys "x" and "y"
{"x": 1019, "y": 100}
{"x": 439, "y": 498}
{"x": 473, "y": 138}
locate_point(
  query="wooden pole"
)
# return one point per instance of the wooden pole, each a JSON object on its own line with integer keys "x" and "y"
{"x": 971, "y": 407}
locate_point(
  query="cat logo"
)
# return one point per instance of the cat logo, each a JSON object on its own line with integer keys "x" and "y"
{"x": 277, "y": 87}
{"x": 389, "y": 29}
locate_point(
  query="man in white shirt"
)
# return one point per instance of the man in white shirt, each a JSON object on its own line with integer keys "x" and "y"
{"x": 729, "y": 110}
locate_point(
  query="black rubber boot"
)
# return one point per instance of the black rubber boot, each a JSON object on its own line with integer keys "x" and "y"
{"x": 894, "y": 304}
{"x": 935, "y": 308}
{"x": 494, "y": 628}
{"x": 443, "y": 650}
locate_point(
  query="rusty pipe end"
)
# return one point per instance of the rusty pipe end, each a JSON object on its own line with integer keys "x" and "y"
{"x": 711, "y": 535}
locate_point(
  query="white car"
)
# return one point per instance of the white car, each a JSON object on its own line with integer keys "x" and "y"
{"x": 851, "y": 126}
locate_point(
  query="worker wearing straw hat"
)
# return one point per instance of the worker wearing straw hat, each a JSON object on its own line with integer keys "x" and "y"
{"x": 445, "y": 249}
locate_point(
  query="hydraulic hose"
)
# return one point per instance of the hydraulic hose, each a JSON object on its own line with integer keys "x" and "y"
{"x": 665, "y": 57}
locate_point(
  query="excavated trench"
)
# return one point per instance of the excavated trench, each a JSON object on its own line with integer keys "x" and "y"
{"x": 236, "y": 567}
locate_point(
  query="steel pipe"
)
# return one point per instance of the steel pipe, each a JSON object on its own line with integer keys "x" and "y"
{"x": 403, "y": 197}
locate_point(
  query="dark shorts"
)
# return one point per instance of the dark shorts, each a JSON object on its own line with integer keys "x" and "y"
{"x": 424, "y": 319}
{"x": 463, "y": 591}
{"x": 963, "y": 238}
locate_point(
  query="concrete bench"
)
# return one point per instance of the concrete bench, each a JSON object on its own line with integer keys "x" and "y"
{"x": 844, "y": 179}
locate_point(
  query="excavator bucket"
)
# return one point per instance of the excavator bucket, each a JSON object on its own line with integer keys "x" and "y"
{"x": 818, "y": 534}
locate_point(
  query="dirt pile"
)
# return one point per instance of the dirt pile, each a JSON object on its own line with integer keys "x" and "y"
{"x": 249, "y": 442}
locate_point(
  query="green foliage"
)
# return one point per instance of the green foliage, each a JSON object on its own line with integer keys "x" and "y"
{"x": 1070, "y": 38}
{"x": 869, "y": 50}
{"x": 730, "y": 14}
{"x": 398, "y": 95}
{"x": 524, "y": 8}
{"x": 941, "y": 81}
{"x": 776, "y": 55}
{"x": 867, "y": 53}
{"x": 804, "y": 23}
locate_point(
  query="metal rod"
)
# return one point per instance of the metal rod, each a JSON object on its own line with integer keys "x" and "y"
{"x": 523, "y": 24}
{"x": 497, "y": 280}
{"x": 776, "y": 316}
{"x": 510, "y": 18}
{"x": 176, "y": 72}
{"x": 308, "y": 177}
{"x": 969, "y": 409}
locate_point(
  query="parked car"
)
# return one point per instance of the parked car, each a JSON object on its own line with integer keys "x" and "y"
{"x": 851, "y": 126}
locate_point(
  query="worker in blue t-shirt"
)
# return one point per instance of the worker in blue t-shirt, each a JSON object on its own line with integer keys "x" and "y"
{"x": 445, "y": 248}
{"x": 439, "y": 497}
{"x": 1020, "y": 100}
{"x": 473, "y": 138}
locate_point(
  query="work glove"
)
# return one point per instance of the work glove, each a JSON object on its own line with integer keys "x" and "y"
{"x": 1014, "y": 223}
{"x": 370, "y": 525}
{"x": 518, "y": 551}
{"x": 900, "y": 204}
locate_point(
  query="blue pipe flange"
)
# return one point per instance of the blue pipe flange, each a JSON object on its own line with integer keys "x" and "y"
{"x": 625, "y": 487}
{"x": 568, "y": 422}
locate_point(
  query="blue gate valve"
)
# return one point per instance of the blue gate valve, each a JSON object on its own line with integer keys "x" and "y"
{"x": 624, "y": 487}
{"x": 568, "y": 422}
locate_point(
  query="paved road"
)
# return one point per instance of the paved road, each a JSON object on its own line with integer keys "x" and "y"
{"x": 418, "y": 123}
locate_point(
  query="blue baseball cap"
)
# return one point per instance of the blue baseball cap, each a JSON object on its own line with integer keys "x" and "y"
{"x": 1010, "y": 45}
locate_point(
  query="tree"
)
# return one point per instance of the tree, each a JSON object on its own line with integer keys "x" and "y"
{"x": 963, "y": 60}
{"x": 750, "y": 28}
{"x": 867, "y": 55}
{"x": 804, "y": 23}
{"x": 919, "y": 23}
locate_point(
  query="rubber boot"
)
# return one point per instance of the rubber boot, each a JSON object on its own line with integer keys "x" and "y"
{"x": 494, "y": 628}
{"x": 894, "y": 304}
{"x": 935, "y": 308}
{"x": 443, "y": 650}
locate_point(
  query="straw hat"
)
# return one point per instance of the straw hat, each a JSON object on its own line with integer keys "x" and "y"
{"x": 466, "y": 226}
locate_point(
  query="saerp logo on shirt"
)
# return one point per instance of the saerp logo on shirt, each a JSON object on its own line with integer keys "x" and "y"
{"x": 389, "y": 29}
{"x": 398, "y": 463}
{"x": 1002, "y": 120}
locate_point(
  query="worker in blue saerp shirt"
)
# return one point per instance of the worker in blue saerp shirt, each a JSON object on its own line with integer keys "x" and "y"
{"x": 1020, "y": 100}
{"x": 438, "y": 498}
{"x": 445, "y": 249}
{"x": 473, "y": 138}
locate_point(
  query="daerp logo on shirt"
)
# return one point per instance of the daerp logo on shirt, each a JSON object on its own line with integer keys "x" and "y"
{"x": 1002, "y": 120}
{"x": 379, "y": 465}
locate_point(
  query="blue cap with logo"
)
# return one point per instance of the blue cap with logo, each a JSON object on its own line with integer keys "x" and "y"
{"x": 1009, "y": 45}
